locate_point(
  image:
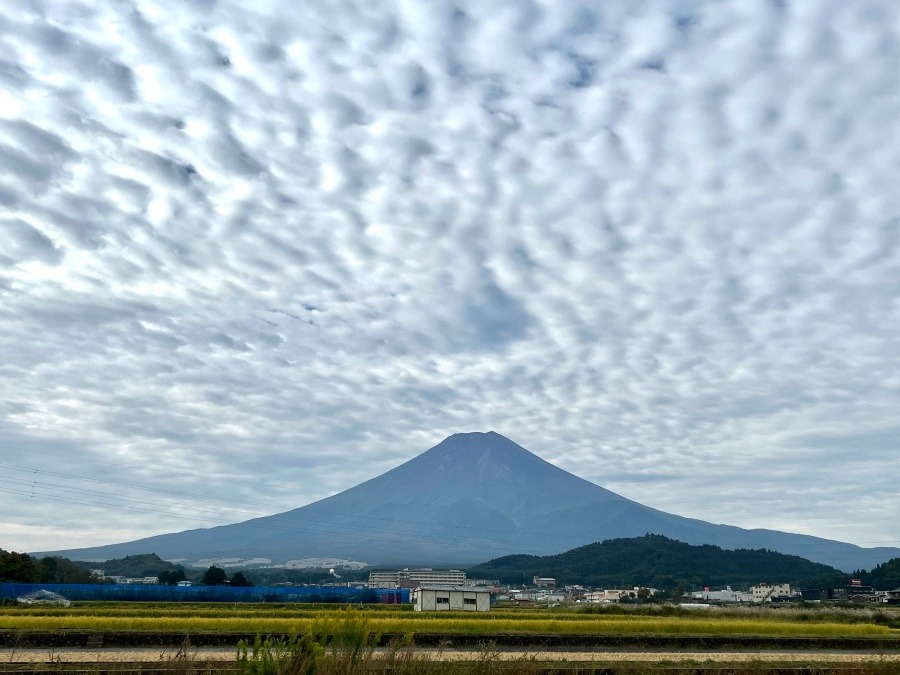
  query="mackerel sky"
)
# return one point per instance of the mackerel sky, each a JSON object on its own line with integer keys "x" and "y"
{"x": 255, "y": 252}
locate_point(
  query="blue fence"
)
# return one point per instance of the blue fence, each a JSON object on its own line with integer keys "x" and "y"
{"x": 160, "y": 593}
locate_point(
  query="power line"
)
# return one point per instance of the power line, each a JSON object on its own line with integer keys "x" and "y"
{"x": 97, "y": 493}
{"x": 133, "y": 486}
{"x": 70, "y": 500}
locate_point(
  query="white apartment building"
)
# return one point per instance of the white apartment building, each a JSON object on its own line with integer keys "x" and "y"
{"x": 411, "y": 578}
{"x": 384, "y": 579}
{"x": 765, "y": 592}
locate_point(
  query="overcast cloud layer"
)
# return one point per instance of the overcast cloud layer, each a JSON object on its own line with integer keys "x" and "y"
{"x": 252, "y": 253}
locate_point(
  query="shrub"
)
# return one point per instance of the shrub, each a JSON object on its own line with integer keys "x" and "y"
{"x": 297, "y": 655}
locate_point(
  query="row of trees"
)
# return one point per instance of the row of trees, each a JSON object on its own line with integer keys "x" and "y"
{"x": 171, "y": 577}
{"x": 22, "y": 568}
{"x": 885, "y": 576}
{"x": 139, "y": 565}
{"x": 216, "y": 576}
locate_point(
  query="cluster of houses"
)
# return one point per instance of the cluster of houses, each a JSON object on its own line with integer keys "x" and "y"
{"x": 758, "y": 593}
{"x": 118, "y": 579}
{"x": 855, "y": 591}
{"x": 436, "y": 590}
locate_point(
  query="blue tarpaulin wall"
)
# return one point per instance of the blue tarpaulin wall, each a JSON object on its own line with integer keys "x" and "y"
{"x": 160, "y": 593}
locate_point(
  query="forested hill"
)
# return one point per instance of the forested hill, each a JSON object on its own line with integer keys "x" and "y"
{"x": 885, "y": 577}
{"x": 659, "y": 562}
{"x": 139, "y": 565}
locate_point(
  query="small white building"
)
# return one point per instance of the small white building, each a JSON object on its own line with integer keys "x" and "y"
{"x": 451, "y": 598}
{"x": 117, "y": 579}
{"x": 541, "y": 596}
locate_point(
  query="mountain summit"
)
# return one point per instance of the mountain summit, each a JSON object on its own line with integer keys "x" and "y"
{"x": 470, "y": 498}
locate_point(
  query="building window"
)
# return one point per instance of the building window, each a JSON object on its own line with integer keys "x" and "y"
{"x": 469, "y": 601}
{"x": 442, "y": 601}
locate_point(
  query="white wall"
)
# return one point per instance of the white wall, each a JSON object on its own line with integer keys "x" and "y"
{"x": 438, "y": 600}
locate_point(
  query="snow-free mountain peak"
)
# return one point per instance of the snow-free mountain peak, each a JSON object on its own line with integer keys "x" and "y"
{"x": 470, "y": 498}
{"x": 478, "y": 446}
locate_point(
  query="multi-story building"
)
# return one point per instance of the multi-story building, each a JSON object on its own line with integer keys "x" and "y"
{"x": 411, "y": 578}
{"x": 766, "y": 592}
{"x": 383, "y": 579}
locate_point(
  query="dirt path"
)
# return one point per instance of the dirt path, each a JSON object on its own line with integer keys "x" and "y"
{"x": 221, "y": 655}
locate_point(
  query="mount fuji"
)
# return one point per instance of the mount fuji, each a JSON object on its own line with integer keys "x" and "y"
{"x": 472, "y": 497}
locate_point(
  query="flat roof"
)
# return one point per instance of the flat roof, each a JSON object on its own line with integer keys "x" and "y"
{"x": 466, "y": 589}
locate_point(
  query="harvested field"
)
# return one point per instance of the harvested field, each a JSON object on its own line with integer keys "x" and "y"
{"x": 204, "y": 639}
{"x": 253, "y": 619}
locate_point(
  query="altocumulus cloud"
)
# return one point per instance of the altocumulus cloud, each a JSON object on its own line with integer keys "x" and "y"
{"x": 253, "y": 253}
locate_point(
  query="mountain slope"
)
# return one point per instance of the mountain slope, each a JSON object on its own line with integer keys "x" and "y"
{"x": 657, "y": 562}
{"x": 471, "y": 497}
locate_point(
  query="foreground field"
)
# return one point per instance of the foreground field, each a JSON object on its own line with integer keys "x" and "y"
{"x": 208, "y": 639}
{"x": 288, "y": 619}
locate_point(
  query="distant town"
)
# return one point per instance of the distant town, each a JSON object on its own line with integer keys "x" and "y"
{"x": 430, "y": 589}
{"x": 644, "y": 570}
{"x": 546, "y": 590}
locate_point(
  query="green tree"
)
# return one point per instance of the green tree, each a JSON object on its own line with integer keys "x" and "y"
{"x": 57, "y": 570}
{"x": 47, "y": 570}
{"x": 171, "y": 577}
{"x": 885, "y": 576}
{"x": 238, "y": 579}
{"x": 18, "y": 567}
{"x": 214, "y": 576}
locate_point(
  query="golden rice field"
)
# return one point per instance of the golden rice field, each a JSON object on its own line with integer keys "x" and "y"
{"x": 291, "y": 619}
